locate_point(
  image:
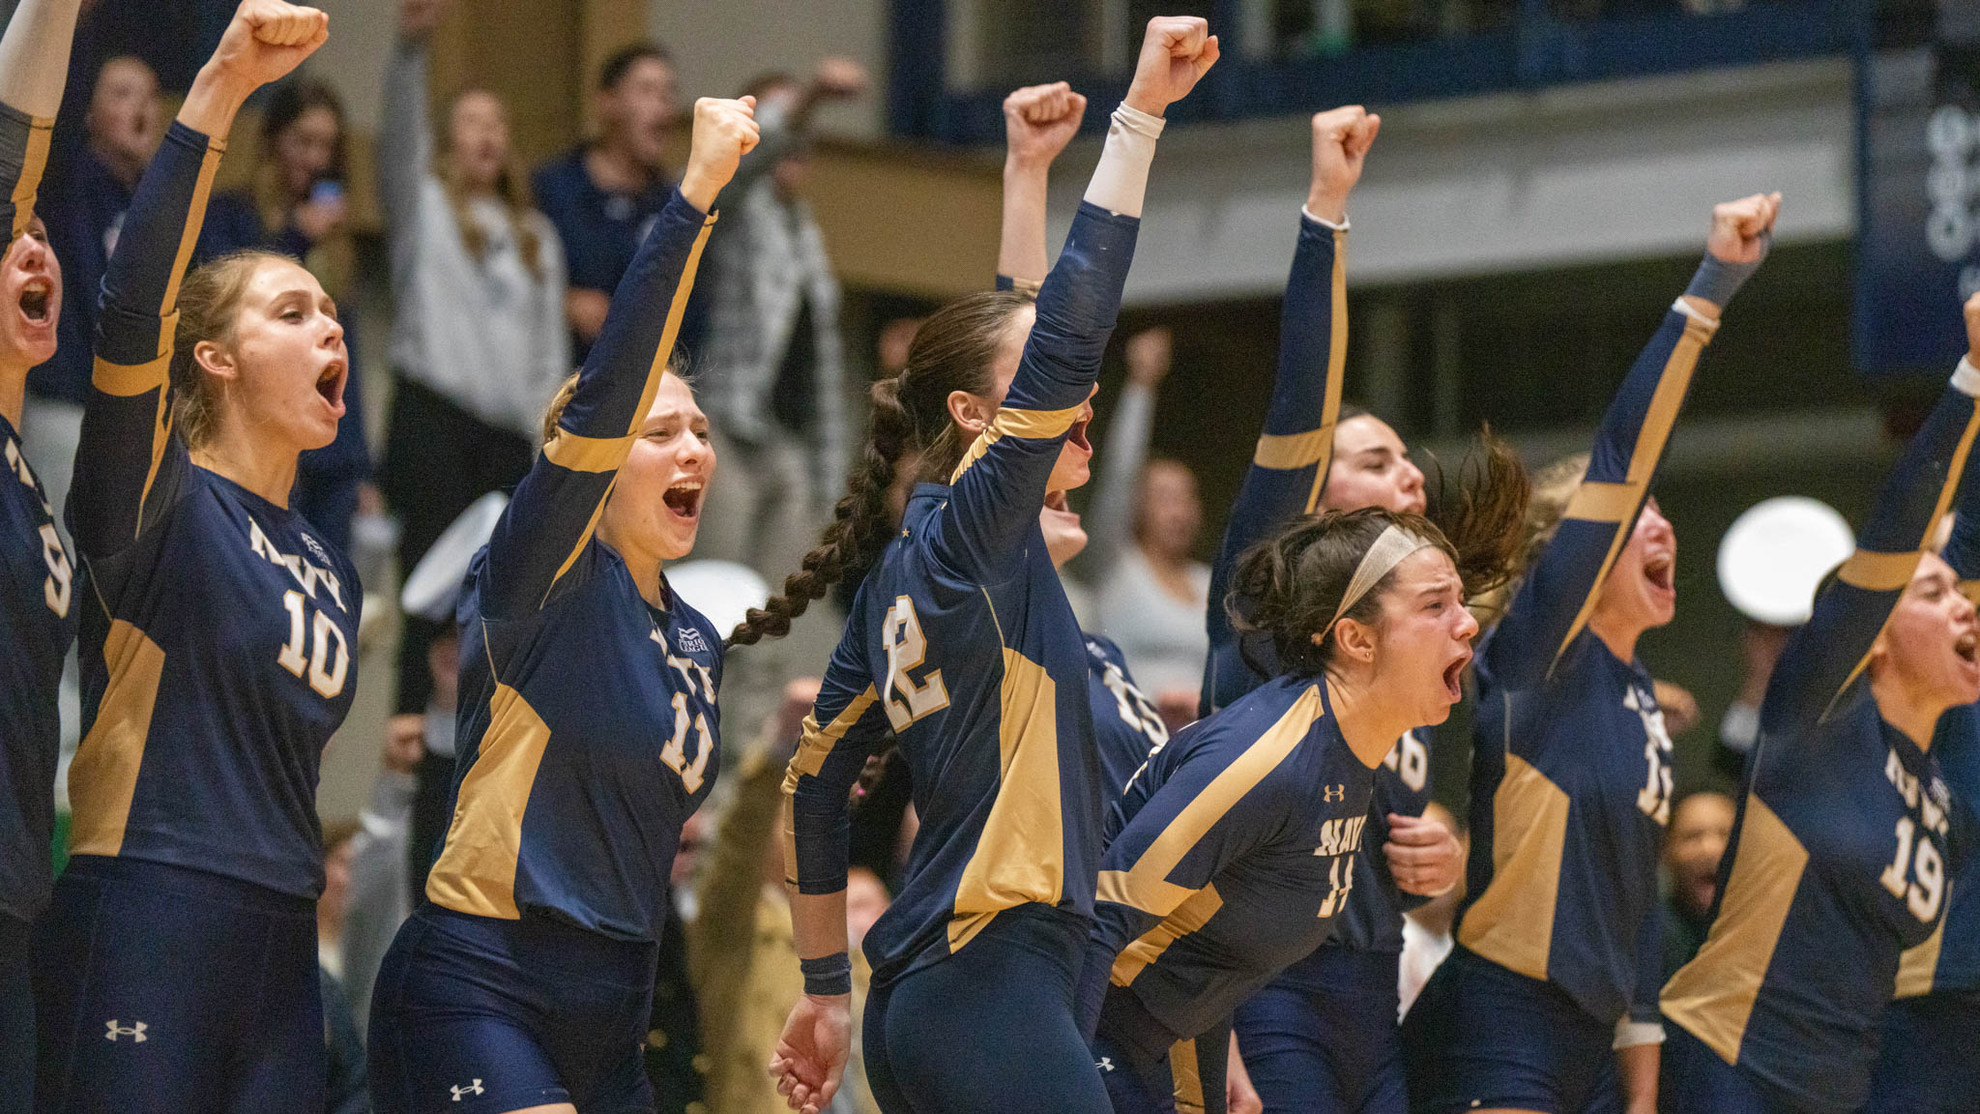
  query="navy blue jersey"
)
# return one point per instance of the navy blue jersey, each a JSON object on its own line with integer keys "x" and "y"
{"x": 1229, "y": 856}
{"x": 1571, "y": 761}
{"x": 1287, "y": 478}
{"x": 1848, "y": 835}
{"x": 1126, "y": 727}
{"x": 219, "y": 634}
{"x": 961, "y": 643}
{"x": 37, "y": 600}
{"x": 588, "y": 726}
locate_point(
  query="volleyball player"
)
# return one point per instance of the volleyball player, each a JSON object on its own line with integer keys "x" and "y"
{"x": 962, "y": 644}
{"x": 1039, "y": 120}
{"x": 37, "y": 607}
{"x": 176, "y": 968}
{"x": 1323, "y": 1035}
{"x": 1848, "y": 836}
{"x": 524, "y": 982}
{"x": 1233, "y": 849}
{"x": 1558, "y": 958}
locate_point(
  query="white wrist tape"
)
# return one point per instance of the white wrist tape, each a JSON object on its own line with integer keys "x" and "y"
{"x": 1966, "y": 378}
{"x": 1121, "y": 179}
{"x": 1308, "y": 214}
{"x": 1629, "y": 1033}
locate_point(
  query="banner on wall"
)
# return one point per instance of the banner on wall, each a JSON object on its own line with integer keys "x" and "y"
{"x": 1918, "y": 96}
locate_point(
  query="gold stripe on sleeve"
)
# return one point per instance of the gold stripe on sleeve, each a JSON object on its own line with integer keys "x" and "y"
{"x": 1330, "y": 407}
{"x": 1146, "y": 886}
{"x": 587, "y": 454}
{"x": 34, "y": 163}
{"x": 818, "y": 741}
{"x": 1035, "y": 424}
{"x": 1600, "y": 502}
{"x": 1186, "y": 1072}
{"x": 654, "y": 373}
{"x": 195, "y": 218}
{"x": 1190, "y": 916}
{"x": 131, "y": 380}
{"x": 1287, "y": 451}
{"x": 1655, "y": 432}
{"x": 1879, "y": 572}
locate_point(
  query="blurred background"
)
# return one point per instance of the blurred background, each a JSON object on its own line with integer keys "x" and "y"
{"x": 1539, "y": 194}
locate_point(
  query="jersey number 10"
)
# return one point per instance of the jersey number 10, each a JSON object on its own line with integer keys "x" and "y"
{"x": 329, "y": 659}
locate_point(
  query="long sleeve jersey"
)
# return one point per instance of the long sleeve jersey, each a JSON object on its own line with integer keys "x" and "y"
{"x": 1228, "y": 858}
{"x": 1287, "y": 477}
{"x": 1571, "y": 761}
{"x": 219, "y": 634}
{"x": 487, "y": 331}
{"x": 1847, "y": 835}
{"x": 588, "y": 727}
{"x": 37, "y": 599}
{"x": 961, "y": 643}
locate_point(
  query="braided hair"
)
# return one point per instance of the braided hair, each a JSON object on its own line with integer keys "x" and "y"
{"x": 954, "y": 350}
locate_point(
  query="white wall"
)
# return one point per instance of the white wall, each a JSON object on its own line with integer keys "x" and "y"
{"x": 718, "y": 47}
{"x": 1502, "y": 183}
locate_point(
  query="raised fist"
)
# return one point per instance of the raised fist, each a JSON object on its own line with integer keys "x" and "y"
{"x": 1341, "y": 139}
{"x": 1973, "y": 330}
{"x": 267, "y": 39}
{"x": 1741, "y": 229}
{"x": 1149, "y": 354}
{"x": 724, "y": 131}
{"x": 1176, "y": 51}
{"x": 1039, "y": 120}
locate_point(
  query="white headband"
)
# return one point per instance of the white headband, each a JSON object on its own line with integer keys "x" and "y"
{"x": 1391, "y": 549}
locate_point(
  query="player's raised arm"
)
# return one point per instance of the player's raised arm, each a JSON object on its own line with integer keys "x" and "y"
{"x": 129, "y": 456}
{"x": 1295, "y": 448}
{"x": 1559, "y": 593}
{"x": 557, "y": 505}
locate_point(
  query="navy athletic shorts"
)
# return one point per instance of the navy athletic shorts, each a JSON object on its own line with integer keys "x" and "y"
{"x": 990, "y": 1029}
{"x": 1697, "y": 1080}
{"x": 1149, "y": 1071}
{"x": 162, "y": 989}
{"x": 1322, "y": 1038}
{"x": 1481, "y": 1035}
{"x": 472, "y": 1015}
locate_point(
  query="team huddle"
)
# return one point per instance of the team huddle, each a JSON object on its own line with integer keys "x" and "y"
{"x": 1096, "y": 915}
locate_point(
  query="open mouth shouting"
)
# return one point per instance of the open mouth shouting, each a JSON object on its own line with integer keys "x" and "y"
{"x": 1660, "y": 570}
{"x": 37, "y": 300}
{"x": 1055, "y": 501}
{"x": 1967, "y": 646}
{"x": 1454, "y": 677}
{"x": 330, "y": 385}
{"x": 1077, "y": 435}
{"x": 683, "y": 501}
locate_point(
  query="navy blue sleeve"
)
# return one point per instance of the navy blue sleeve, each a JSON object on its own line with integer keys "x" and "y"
{"x": 1832, "y": 649}
{"x": 550, "y": 519}
{"x": 1559, "y": 593}
{"x": 1296, "y": 447}
{"x": 129, "y": 464}
{"x": 845, "y": 725}
{"x": 1000, "y": 484}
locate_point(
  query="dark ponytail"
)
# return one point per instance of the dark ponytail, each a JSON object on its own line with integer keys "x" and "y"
{"x": 1287, "y": 587}
{"x": 954, "y": 350}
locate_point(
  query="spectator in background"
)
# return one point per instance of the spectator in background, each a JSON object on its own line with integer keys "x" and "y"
{"x": 1701, "y": 826}
{"x": 602, "y": 193}
{"x": 770, "y": 365}
{"x": 379, "y": 896}
{"x": 345, "y": 1088}
{"x": 295, "y": 205}
{"x": 1140, "y": 562}
{"x": 478, "y": 343}
{"x": 83, "y": 202}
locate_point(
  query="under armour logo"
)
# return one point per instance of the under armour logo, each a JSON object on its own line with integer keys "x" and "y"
{"x": 1106, "y": 1064}
{"x": 135, "y": 1031}
{"x": 1334, "y": 793}
{"x": 473, "y": 1088}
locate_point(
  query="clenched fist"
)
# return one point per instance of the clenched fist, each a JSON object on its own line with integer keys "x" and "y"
{"x": 1176, "y": 52}
{"x": 1039, "y": 120}
{"x": 1741, "y": 229}
{"x": 1341, "y": 139}
{"x": 724, "y": 131}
